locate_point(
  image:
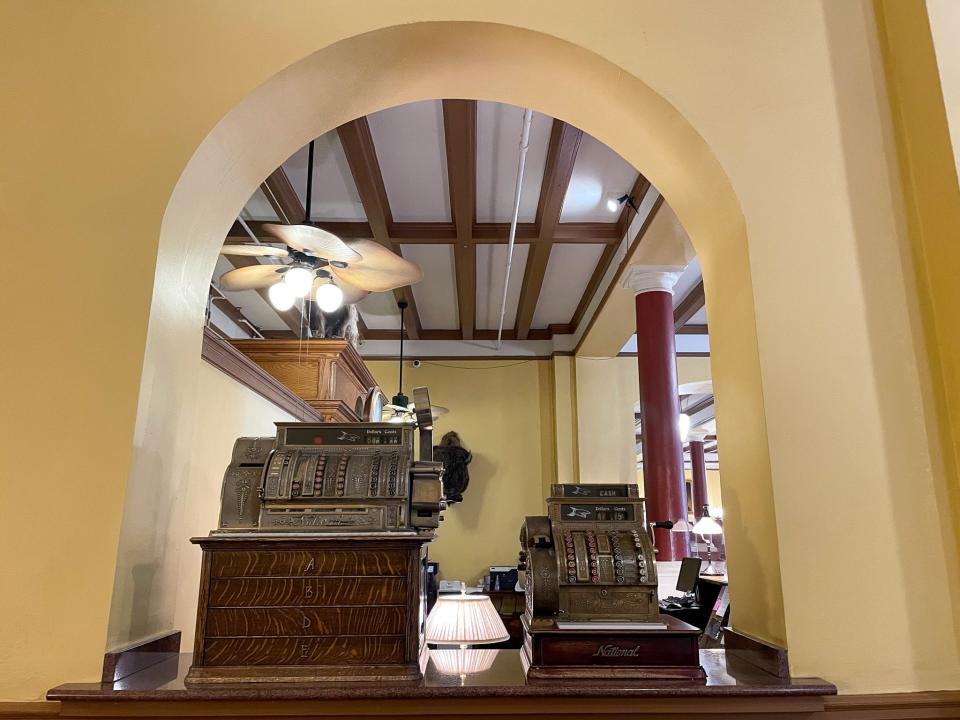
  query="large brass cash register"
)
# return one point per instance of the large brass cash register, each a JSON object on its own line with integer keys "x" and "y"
{"x": 591, "y": 592}
{"x": 316, "y": 571}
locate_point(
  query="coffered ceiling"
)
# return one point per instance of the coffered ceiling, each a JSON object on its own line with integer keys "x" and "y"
{"x": 434, "y": 181}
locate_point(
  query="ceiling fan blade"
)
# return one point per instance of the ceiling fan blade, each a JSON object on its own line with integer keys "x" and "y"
{"x": 397, "y": 408}
{"x": 351, "y": 293}
{"x": 314, "y": 241}
{"x": 379, "y": 269}
{"x": 249, "y": 278}
{"x": 254, "y": 250}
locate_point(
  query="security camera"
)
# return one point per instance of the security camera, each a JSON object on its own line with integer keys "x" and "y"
{"x": 416, "y": 363}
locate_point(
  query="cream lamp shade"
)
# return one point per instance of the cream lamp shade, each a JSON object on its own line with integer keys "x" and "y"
{"x": 707, "y": 526}
{"x": 465, "y": 620}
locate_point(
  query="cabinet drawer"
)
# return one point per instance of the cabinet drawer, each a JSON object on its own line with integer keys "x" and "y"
{"x": 309, "y": 563}
{"x": 303, "y": 651}
{"x": 244, "y": 622}
{"x": 321, "y": 592}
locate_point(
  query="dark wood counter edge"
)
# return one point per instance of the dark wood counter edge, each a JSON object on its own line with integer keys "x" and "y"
{"x": 133, "y": 657}
{"x": 766, "y": 656}
{"x": 224, "y": 356}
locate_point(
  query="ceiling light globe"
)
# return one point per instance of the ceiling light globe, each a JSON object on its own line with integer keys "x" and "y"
{"x": 612, "y": 204}
{"x": 684, "y": 422}
{"x": 329, "y": 297}
{"x": 281, "y": 296}
{"x": 299, "y": 279}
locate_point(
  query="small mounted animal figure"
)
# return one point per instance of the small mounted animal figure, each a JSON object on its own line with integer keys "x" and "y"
{"x": 341, "y": 324}
{"x": 455, "y": 459}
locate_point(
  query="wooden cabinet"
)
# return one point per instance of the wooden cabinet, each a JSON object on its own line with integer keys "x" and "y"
{"x": 286, "y": 609}
{"x": 329, "y": 374}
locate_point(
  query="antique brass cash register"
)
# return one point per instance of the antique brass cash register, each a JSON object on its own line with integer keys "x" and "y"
{"x": 591, "y": 591}
{"x": 316, "y": 571}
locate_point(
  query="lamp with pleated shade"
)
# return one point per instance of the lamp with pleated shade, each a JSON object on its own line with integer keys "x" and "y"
{"x": 464, "y": 620}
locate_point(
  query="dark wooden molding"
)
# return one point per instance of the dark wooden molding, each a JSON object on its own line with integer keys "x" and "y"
{"x": 890, "y": 706}
{"x": 637, "y": 239}
{"x": 136, "y": 656}
{"x": 561, "y": 156}
{"x": 460, "y": 137}
{"x": 693, "y": 330}
{"x": 679, "y": 354}
{"x": 764, "y": 655}
{"x": 689, "y": 306}
{"x": 234, "y": 363}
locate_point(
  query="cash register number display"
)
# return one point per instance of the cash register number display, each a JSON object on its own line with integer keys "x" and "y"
{"x": 591, "y": 591}
{"x": 316, "y": 569}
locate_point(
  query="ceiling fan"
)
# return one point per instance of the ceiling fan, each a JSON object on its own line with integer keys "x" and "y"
{"x": 322, "y": 267}
{"x": 400, "y": 409}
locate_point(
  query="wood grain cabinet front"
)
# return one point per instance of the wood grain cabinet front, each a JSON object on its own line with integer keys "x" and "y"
{"x": 286, "y": 609}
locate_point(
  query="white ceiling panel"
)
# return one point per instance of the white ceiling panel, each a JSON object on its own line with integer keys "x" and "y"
{"x": 379, "y": 311}
{"x": 498, "y": 151}
{"x": 410, "y": 147}
{"x": 436, "y": 294}
{"x": 699, "y": 317}
{"x": 568, "y": 272}
{"x": 259, "y": 208}
{"x": 491, "y": 263}
{"x": 598, "y": 174}
{"x": 335, "y": 195}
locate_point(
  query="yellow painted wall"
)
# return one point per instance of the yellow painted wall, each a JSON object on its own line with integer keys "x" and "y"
{"x": 502, "y": 412}
{"x": 607, "y": 393}
{"x": 158, "y": 572}
{"x": 764, "y": 124}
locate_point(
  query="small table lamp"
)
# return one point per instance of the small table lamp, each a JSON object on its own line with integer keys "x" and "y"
{"x": 464, "y": 620}
{"x": 703, "y": 527}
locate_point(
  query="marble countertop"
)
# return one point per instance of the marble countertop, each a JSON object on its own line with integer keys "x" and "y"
{"x": 726, "y": 677}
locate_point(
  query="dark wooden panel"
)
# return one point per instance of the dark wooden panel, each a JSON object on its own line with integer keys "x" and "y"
{"x": 303, "y": 651}
{"x": 319, "y": 592}
{"x": 286, "y": 563}
{"x": 247, "y": 622}
{"x": 613, "y": 651}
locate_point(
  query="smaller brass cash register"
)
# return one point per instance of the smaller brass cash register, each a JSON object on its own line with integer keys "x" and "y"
{"x": 591, "y": 592}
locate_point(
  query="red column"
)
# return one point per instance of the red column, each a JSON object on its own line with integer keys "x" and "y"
{"x": 698, "y": 467}
{"x": 663, "y": 480}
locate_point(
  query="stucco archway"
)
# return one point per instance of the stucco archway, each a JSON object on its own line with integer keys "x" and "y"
{"x": 491, "y": 62}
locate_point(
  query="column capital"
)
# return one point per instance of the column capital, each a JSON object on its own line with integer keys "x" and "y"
{"x": 696, "y": 437}
{"x": 651, "y": 278}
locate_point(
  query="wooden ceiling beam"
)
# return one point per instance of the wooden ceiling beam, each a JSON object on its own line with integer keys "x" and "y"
{"x": 292, "y": 318}
{"x": 561, "y": 155}
{"x": 343, "y": 229}
{"x": 283, "y": 197}
{"x": 460, "y": 138}
{"x": 640, "y": 187}
{"x": 689, "y": 306}
{"x": 693, "y": 330}
{"x": 357, "y": 142}
{"x": 603, "y": 264}
{"x": 624, "y": 263}
{"x": 699, "y": 406}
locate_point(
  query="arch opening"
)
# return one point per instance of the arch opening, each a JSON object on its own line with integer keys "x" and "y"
{"x": 456, "y": 60}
